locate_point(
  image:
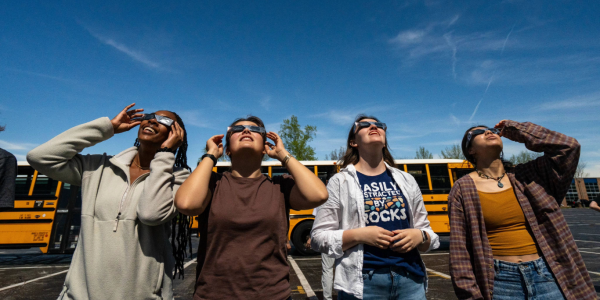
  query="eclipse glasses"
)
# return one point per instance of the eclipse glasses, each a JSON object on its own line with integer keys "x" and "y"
{"x": 160, "y": 119}
{"x": 477, "y": 132}
{"x": 240, "y": 128}
{"x": 363, "y": 124}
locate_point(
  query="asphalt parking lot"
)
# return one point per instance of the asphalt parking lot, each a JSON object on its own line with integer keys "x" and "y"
{"x": 28, "y": 274}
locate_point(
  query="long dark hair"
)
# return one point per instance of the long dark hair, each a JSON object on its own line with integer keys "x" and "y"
{"x": 351, "y": 157}
{"x": 471, "y": 158}
{"x": 181, "y": 233}
{"x": 254, "y": 119}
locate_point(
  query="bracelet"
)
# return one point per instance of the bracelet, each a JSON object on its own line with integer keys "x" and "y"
{"x": 424, "y": 236}
{"x": 165, "y": 149}
{"x": 286, "y": 159}
{"x": 214, "y": 159}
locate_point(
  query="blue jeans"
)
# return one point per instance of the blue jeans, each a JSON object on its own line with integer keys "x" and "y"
{"x": 530, "y": 280}
{"x": 390, "y": 283}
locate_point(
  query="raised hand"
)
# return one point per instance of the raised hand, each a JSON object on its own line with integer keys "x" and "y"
{"x": 277, "y": 150}
{"x": 126, "y": 119}
{"x": 214, "y": 145}
{"x": 175, "y": 138}
{"x": 405, "y": 240}
{"x": 500, "y": 126}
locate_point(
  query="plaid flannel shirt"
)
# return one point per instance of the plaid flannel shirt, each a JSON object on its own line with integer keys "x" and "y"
{"x": 540, "y": 185}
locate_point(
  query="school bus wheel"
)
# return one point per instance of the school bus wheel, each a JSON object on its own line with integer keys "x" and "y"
{"x": 300, "y": 236}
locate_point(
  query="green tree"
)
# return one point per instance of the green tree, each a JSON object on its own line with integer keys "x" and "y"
{"x": 453, "y": 151}
{"x": 296, "y": 140}
{"x": 336, "y": 154}
{"x": 523, "y": 157}
{"x": 423, "y": 153}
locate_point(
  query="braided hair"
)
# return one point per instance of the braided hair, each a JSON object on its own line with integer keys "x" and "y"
{"x": 181, "y": 233}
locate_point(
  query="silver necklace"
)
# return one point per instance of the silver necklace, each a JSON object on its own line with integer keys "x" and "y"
{"x": 500, "y": 185}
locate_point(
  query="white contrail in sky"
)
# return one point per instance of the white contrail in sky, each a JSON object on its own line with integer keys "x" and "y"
{"x": 491, "y": 78}
{"x": 475, "y": 111}
{"x": 506, "y": 40}
{"x": 448, "y": 38}
{"x": 489, "y": 83}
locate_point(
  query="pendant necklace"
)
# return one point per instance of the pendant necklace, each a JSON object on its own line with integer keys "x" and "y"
{"x": 500, "y": 185}
{"x": 148, "y": 168}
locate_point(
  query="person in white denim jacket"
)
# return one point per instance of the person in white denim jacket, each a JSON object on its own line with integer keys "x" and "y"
{"x": 340, "y": 229}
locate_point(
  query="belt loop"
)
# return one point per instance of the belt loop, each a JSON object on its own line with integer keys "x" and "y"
{"x": 539, "y": 265}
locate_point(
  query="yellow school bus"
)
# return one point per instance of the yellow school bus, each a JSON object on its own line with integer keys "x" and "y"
{"x": 46, "y": 214}
{"x": 434, "y": 176}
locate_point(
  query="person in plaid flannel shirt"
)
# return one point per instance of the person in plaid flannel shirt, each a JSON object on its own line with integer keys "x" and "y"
{"x": 508, "y": 236}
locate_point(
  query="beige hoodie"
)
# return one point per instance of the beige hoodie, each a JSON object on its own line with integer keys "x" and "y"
{"x": 128, "y": 258}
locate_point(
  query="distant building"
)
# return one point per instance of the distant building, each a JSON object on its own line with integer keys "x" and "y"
{"x": 582, "y": 189}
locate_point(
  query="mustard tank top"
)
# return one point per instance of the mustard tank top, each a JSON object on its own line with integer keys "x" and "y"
{"x": 505, "y": 224}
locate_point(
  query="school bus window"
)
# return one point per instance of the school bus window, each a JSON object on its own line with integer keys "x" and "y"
{"x": 276, "y": 171}
{"x": 220, "y": 170}
{"x": 23, "y": 181}
{"x": 65, "y": 196}
{"x": 326, "y": 172}
{"x": 44, "y": 185}
{"x": 420, "y": 173}
{"x": 458, "y": 173}
{"x": 440, "y": 178}
{"x": 264, "y": 170}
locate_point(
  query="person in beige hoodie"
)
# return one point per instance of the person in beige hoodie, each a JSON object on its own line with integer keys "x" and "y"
{"x": 127, "y": 203}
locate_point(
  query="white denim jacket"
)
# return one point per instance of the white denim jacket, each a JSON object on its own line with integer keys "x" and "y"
{"x": 345, "y": 210}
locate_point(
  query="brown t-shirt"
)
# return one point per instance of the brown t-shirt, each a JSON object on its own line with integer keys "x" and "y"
{"x": 243, "y": 234}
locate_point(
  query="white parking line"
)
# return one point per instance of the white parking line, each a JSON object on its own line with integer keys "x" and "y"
{"x": 595, "y": 273}
{"x": 187, "y": 264}
{"x": 589, "y": 252}
{"x": 584, "y": 241}
{"x": 588, "y": 233}
{"x": 58, "y": 273}
{"x": 308, "y": 258}
{"x": 309, "y": 292}
{"x": 39, "y": 267}
{"x": 438, "y": 273}
{"x": 32, "y": 280}
{"x": 426, "y": 254}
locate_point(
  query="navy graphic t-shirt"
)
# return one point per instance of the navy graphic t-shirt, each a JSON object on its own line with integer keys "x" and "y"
{"x": 386, "y": 207}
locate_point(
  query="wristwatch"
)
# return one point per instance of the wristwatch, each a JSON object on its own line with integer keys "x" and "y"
{"x": 214, "y": 159}
{"x": 424, "y": 236}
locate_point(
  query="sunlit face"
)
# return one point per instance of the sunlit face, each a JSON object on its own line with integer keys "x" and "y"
{"x": 369, "y": 136}
{"x": 246, "y": 140}
{"x": 151, "y": 131}
{"x": 485, "y": 142}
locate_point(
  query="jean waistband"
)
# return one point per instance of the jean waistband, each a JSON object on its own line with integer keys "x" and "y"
{"x": 538, "y": 264}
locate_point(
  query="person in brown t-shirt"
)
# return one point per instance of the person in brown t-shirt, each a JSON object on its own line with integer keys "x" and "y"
{"x": 243, "y": 214}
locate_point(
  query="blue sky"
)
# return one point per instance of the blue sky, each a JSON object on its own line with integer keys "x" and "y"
{"x": 429, "y": 69}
